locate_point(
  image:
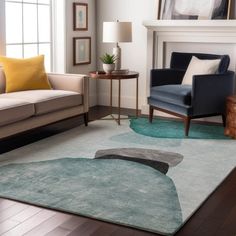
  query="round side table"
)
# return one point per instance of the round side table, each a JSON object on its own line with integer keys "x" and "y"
{"x": 230, "y": 129}
{"x": 100, "y": 75}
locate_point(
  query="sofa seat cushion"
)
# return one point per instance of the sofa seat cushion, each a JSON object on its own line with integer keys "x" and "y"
{"x": 174, "y": 94}
{"x": 46, "y": 101}
{"x": 13, "y": 110}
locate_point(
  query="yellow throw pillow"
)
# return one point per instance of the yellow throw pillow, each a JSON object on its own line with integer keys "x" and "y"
{"x": 24, "y": 74}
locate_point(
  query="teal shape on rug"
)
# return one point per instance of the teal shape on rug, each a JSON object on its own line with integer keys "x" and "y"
{"x": 116, "y": 191}
{"x": 163, "y": 128}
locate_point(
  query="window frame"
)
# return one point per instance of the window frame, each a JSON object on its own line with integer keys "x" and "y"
{"x": 37, "y": 42}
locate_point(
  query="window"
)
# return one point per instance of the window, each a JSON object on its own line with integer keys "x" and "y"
{"x": 28, "y": 29}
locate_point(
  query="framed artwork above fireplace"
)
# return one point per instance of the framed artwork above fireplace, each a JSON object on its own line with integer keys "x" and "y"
{"x": 194, "y": 10}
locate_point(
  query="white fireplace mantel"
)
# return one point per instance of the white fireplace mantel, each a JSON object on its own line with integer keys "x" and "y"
{"x": 194, "y": 31}
{"x": 160, "y": 32}
{"x": 191, "y": 25}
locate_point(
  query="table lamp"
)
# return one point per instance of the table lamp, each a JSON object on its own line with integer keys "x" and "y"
{"x": 117, "y": 32}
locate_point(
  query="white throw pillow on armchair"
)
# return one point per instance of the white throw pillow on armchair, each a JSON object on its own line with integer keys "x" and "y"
{"x": 200, "y": 67}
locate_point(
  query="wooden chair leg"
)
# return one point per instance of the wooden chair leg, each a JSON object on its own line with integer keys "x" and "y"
{"x": 150, "y": 114}
{"x": 187, "y": 121}
{"x": 86, "y": 119}
{"x": 224, "y": 120}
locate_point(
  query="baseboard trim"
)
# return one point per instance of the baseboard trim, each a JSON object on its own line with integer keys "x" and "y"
{"x": 126, "y": 101}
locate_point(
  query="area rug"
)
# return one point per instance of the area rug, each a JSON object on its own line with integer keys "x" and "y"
{"x": 205, "y": 163}
{"x": 162, "y": 128}
{"x": 110, "y": 190}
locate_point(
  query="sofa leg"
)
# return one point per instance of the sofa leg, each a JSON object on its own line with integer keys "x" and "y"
{"x": 86, "y": 119}
{"x": 224, "y": 120}
{"x": 150, "y": 114}
{"x": 187, "y": 121}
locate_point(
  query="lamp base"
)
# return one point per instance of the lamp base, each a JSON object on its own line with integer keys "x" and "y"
{"x": 117, "y": 53}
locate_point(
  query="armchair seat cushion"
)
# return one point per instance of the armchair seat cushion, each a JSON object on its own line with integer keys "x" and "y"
{"x": 46, "y": 101}
{"x": 174, "y": 94}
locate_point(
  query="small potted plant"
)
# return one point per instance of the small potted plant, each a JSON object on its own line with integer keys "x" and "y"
{"x": 108, "y": 62}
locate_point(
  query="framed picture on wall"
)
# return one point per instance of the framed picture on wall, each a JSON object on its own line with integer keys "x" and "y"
{"x": 159, "y": 10}
{"x": 194, "y": 10}
{"x": 81, "y": 50}
{"x": 80, "y": 16}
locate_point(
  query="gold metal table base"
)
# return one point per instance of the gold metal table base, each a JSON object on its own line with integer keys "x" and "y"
{"x": 116, "y": 119}
{"x": 118, "y": 77}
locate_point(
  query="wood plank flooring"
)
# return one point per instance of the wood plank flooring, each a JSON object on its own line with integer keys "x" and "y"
{"x": 216, "y": 217}
{"x": 22, "y": 219}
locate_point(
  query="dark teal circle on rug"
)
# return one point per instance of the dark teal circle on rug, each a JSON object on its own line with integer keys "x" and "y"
{"x": 116, "y": 191}
{"x": 162, "y": 128}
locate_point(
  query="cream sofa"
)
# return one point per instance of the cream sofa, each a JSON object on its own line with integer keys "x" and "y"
{"x": 26, "y": 110}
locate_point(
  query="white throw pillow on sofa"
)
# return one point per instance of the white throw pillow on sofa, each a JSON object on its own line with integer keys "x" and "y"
{"x": 200, "y": 67}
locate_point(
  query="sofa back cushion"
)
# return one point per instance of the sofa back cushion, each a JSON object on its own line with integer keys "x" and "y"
{"x": 181, "y": 60}
{"x": 2, "y": 81}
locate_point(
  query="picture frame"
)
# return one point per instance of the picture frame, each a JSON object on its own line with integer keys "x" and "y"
{"x": 80, "y": 16}
{"x": 232, "y": 10}
{"x": 159, "y": 9}
{"x": 194, "y": 10}
{"x": 81, "y": 50}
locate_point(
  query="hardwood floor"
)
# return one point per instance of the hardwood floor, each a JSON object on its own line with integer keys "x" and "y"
{"x": 217, "y": 216}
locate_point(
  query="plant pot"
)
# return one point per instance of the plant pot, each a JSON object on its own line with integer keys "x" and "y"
{"x": 108, "y": 68}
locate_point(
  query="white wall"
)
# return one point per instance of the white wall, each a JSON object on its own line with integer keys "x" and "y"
{"x": 82, "y": 69}
{"x": 133, "y": 54}
{"x": 59, "y": 38}
{"x": 2, "y": 28}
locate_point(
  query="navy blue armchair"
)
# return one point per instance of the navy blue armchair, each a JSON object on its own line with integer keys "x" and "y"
{"x": 205, "y": 97}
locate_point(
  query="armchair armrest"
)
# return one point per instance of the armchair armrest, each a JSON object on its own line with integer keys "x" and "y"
{"x": 71, "y": 82}
{"x": 166, "y": 76}
{"x": 209, "y": 92}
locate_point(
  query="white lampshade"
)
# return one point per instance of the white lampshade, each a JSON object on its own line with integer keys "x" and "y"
{"x": 115, "y": 32}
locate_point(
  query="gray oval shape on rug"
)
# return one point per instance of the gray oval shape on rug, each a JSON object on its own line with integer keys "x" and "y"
{"x": 160, "y": 160}
{"x": 160, "y": 166}
{"x": 116, "y": 191}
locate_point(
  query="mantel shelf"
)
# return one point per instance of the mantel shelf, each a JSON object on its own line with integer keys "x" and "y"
{"x": 191, "y": 25}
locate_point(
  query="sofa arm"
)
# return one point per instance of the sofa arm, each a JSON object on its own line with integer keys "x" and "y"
{"x": 209, "y": 92}
{"x": 71, "y": 82}
{"x": 166, "y": 76}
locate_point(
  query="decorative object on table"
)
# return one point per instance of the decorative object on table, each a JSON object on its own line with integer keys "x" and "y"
{"x": 82, "y": 50}
{"x": 190, "y": 101}
{"x": 117, "y": 32}
{"x": 108, "y": 62}
{"x": 119, "y": 77}
{"x": 123, "y": 71}
{"x": 80, "y": 16}
{"x": 230, "y": 129}
{"x": 192, "y": 9}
